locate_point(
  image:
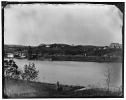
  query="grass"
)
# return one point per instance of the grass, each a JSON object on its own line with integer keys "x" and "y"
{"x": 22, "y": 89}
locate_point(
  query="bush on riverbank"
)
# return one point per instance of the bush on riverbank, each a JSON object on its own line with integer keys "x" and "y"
{"x": 30, "y": 72}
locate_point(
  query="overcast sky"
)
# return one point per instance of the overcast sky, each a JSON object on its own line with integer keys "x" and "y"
{"x": 71, "y": 24}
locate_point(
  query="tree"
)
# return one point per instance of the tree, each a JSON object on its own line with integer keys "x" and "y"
{"x": 30, "y": 72}
{"x": 29, "y": 52}
{"x": 108, "y": 77}
{"x": 11, "y": 69}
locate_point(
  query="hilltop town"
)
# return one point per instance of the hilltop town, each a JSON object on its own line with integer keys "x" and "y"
{"x": 65, "y": 52}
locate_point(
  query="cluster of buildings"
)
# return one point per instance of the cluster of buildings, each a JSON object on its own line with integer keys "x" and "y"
{"x": 18, "y": 54}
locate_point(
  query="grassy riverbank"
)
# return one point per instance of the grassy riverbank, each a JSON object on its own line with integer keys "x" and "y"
{"x": 22, "y": 89}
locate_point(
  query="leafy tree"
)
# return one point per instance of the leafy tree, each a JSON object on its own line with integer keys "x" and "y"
{"x": 11, "y": 69}
{"x": 30, "y": 72}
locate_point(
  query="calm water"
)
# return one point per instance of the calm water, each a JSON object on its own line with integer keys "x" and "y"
{"x": 75, "y": 73}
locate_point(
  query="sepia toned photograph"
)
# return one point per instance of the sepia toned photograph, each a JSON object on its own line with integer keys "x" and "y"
{"x": 62, "y": 50}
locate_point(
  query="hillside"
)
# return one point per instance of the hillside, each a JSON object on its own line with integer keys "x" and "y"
{"x": 64, "y": 52}
{"x": 116, "y": 53}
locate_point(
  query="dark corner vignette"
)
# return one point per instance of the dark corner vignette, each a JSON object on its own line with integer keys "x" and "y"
{"x": 119, "y": 5}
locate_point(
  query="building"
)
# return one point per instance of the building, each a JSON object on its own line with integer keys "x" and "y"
{"x": 120, "y": 46}
{"x": 115, "y": 45}
{"x": 105, "y": 47}
{"x": 47, "y": 46}
{"x": 10, "y": 55}
{"x": 21, "y": 54}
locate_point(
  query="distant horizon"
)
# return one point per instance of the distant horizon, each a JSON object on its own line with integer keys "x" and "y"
{"x": 60, "y": 43}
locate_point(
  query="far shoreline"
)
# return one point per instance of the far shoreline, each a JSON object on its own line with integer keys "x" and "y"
{"x": 5, "y": 58}
{"x": 102, "y": 61}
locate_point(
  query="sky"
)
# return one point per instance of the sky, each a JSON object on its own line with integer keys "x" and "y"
{"x": 79, "y": 24}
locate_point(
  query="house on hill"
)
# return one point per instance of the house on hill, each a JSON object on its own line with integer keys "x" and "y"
{"x": 115, "y": 45}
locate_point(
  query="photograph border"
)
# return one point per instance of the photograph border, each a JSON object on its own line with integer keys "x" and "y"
{"x": 120, "y": 5}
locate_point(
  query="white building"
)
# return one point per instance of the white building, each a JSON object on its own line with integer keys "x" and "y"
{"x": 10, "y": 55}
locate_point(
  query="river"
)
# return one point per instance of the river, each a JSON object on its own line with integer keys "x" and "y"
{"x": 75, "y": 73}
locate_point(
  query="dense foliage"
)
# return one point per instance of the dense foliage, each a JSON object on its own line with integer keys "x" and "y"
{"x": 63, "y": 49}
{"x": 30, "y": 72}
{"x": 11, "y": 70}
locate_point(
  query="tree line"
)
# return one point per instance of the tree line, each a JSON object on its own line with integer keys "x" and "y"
{"x": 61, "y": 49}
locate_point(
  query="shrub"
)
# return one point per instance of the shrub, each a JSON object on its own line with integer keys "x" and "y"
{"x": 30, "y": 73}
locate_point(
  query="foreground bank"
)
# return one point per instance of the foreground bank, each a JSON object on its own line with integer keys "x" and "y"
{"x": 21, "y": 89}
